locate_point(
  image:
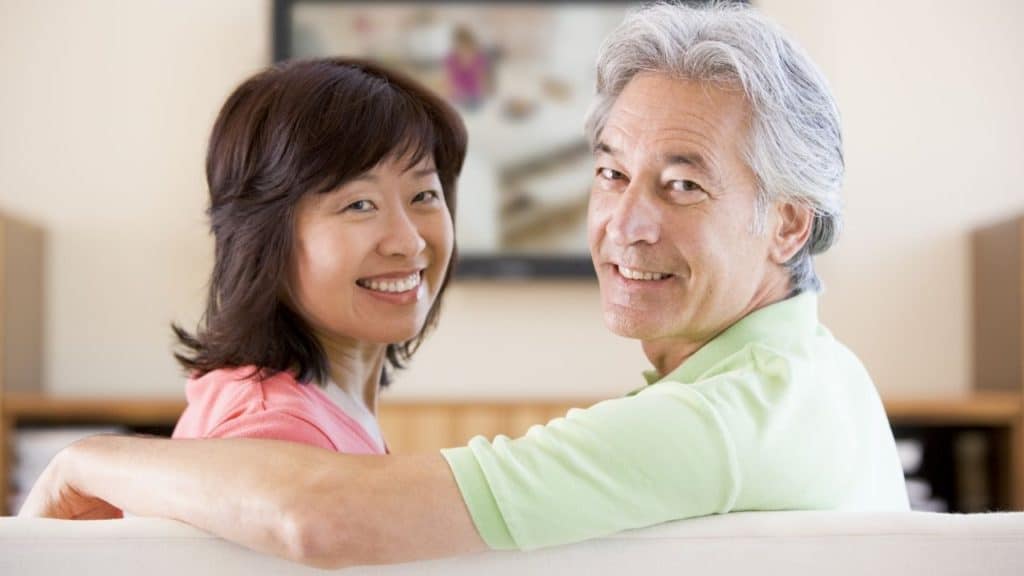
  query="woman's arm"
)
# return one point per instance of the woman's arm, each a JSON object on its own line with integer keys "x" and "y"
{"x": 306, "y": 504}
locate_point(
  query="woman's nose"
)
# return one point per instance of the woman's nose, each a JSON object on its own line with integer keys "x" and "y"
{"x": 402, "y": 238}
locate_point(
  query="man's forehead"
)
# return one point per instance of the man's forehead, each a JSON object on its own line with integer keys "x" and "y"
{"x": 672, "y": 117}
{"x": 668, "y": 154}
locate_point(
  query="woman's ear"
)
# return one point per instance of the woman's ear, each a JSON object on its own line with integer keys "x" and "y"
{"x": 793, "y": 228}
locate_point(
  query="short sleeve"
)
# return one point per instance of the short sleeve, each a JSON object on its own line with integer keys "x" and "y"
{"x": 626, "y": 463}
{"x": 273, "y": 424}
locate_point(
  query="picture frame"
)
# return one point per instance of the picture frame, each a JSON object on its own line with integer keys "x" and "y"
{"x": 522, "y": 76}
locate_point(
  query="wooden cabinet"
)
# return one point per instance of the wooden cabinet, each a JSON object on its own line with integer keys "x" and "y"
{"x": 21, "y": 320}
{"x": 998, "y": 338}
{"x": 22, "y": 246}
{"x": 414, "y": 426}
{"x": 994, "y": 418}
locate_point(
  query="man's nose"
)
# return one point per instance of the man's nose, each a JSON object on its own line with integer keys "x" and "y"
{"x": 635, "y": 218}
{"x": 402, "y": 238}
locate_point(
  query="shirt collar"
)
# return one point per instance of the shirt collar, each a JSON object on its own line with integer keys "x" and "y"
{"x": 782, "y": 322}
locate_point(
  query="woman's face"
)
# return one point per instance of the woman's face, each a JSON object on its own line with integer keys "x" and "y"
{"x": 370, "y": 256}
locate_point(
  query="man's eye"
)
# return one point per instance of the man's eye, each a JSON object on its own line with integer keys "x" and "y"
{"x": 427, "y": 196}
{"x": 686, "y": 192}
{"x": 610, "y": 174}
{"x": 360, "y": 206}
{"x": 685, "y": 186}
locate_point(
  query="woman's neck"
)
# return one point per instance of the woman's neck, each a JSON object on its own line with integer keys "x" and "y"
{"x": 355, "y": 368}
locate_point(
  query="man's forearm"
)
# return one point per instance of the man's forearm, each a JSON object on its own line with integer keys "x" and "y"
{"x": 224, "y": 487}
{"x": 286, "y": 499}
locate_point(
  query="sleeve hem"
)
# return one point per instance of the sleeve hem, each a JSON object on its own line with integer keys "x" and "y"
{"x": 479, "y": 498}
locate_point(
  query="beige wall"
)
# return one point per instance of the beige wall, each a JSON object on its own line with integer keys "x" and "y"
{"x": 106, "y": 105}
{"x": 931, "y": 95}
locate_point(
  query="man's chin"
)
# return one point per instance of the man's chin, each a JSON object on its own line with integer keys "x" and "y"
{"x": 628, "y": 325}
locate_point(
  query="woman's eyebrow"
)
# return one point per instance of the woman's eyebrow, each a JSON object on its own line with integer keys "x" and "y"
{"x": 418, "y": 173}
{"x": 424, "y": 172}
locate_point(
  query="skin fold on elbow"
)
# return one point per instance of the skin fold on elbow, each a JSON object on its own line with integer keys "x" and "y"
{"x": 310, "y": 536}
{"x": 320, "y": 524}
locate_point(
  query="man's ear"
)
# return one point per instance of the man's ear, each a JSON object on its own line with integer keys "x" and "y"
{"x": 792, "y": 229}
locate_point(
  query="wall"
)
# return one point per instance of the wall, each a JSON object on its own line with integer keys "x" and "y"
{"x": 105, "y": 109}
{"x": 106, "y": 106}
{"x": 930, "y": 93}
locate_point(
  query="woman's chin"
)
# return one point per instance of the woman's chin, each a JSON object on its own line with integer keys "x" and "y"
{"x": 396, "y": 335}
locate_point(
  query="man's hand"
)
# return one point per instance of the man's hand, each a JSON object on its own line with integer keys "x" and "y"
{"x": 54, "y": 495}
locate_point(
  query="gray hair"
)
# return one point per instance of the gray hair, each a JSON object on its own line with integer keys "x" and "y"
{"x": 795, "y": 144}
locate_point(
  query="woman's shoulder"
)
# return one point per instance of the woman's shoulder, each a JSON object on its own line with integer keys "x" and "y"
{"x": 227, "y": 387}
{"x": 230, "y": 393}
{"x": 239, "y": 403}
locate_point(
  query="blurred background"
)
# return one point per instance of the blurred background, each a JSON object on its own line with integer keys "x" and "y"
{"x": 106, "y": 106}
{"x": 520, "y": 73}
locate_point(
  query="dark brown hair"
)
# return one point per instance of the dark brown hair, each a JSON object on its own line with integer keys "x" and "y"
{"x": 297, "y": 128}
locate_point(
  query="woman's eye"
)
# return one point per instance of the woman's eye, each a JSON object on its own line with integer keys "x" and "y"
{"x": 360, "y": 206}
{"x": 426, "y": 196}
{"x": 610, "y": 174}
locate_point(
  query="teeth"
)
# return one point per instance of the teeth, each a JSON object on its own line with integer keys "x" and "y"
{"x": 639, "y": 275}
{"x": 400, "y": 285}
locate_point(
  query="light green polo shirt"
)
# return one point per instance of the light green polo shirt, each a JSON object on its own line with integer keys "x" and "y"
{"x": 773, "y": 414}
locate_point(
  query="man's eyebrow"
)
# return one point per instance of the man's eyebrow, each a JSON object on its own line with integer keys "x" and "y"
{"x": 695, "y": 160}
{"x": 603, "y": 148}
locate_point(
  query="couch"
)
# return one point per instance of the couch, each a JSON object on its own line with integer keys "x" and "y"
{"x": 761, "y": 543}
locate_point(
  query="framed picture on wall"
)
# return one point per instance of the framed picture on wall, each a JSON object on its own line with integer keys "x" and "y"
{"x": 522, "y": 76}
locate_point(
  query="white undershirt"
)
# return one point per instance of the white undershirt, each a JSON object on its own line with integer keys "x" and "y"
{"x": 355, "y": 410}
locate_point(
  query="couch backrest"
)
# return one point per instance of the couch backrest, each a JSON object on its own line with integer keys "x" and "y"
{"x": 762, "y": 543}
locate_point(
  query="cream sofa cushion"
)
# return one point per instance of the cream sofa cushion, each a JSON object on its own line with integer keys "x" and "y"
{"x": 754, "y": 543}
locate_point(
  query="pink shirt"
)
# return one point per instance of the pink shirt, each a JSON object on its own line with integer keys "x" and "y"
{"x": 227, "y": 404}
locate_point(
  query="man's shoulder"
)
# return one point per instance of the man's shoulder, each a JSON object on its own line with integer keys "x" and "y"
{"x": 787, "y": 359}
{"x": 763, "y": 377}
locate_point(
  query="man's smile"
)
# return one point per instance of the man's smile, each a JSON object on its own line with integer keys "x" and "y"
{"x": 641, "y": 275}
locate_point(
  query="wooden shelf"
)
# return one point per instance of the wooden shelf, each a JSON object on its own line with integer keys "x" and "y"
{"x": 978, "y": 409}
{"x": 399, "y": 417}
{"x": 127, "y": 411}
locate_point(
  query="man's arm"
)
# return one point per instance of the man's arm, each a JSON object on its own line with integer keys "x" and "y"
{"x": 295, "y": 501}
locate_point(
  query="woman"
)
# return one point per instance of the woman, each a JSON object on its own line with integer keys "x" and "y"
{"x": 332, "y": 195}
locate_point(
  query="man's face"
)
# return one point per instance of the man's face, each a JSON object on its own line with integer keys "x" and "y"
{"x": 671, "y": 213}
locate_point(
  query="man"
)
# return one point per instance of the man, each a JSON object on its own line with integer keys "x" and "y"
{"x": 717, "y": 172}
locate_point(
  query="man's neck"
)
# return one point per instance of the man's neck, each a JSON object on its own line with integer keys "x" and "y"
{"x": 667, "y": 354}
